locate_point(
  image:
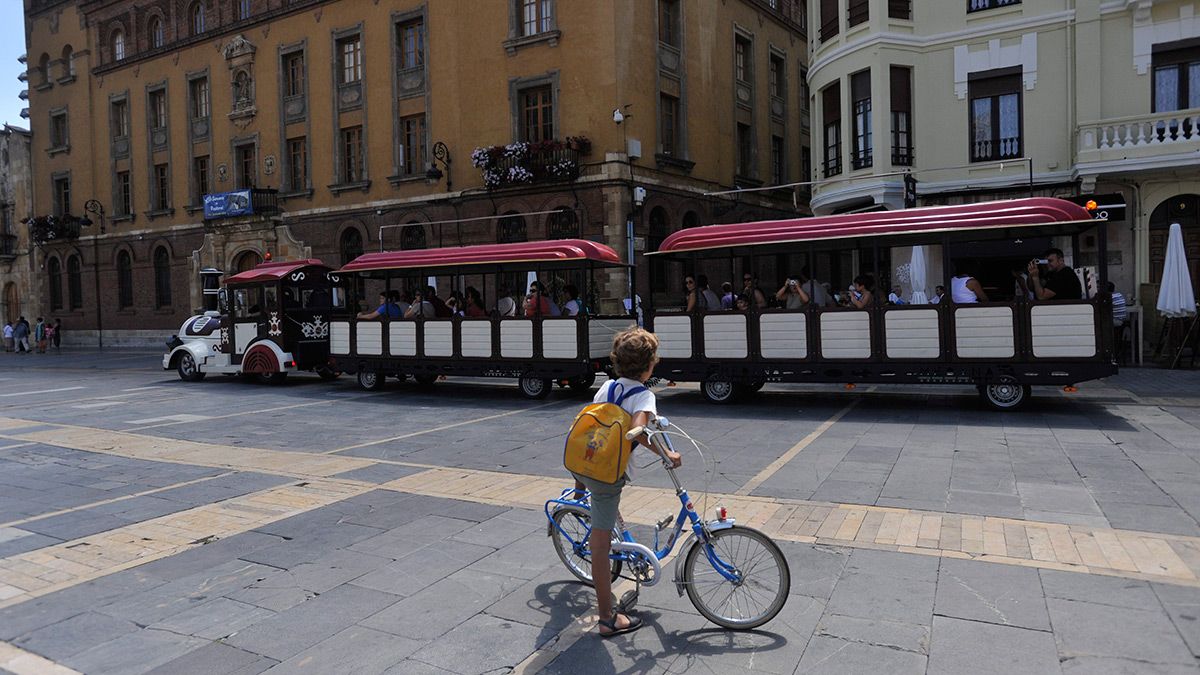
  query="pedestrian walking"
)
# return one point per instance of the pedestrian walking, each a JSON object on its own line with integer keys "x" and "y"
{"x": 57, "y": 339}
{"x": 49, "y": 335}
{"x": 8, "y": 336}
{"x": 21, "y": 336}
{"x": 39, "y": 335}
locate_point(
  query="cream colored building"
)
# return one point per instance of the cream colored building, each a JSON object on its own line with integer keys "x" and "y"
{"x": 1102, "y": 96}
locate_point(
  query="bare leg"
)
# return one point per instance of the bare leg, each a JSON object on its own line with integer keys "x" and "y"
{"x": 601, "y": 544}
{"x": 579, "y": 489}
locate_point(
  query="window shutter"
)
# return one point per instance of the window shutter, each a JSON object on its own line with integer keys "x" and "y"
{"x": 901, "y": 87}
{"x": 831, "y": 105}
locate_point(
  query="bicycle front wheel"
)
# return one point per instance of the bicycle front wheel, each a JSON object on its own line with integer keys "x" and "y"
{"x": 761, "y": 585}
{"x": 573, "y": 526}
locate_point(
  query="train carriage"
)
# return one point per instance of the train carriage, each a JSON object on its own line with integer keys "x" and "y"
{"x": 1001, "y": 347}
{"x": 536, "y": 350}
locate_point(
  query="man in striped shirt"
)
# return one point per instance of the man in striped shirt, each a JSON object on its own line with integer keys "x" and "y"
{"x": 1120, "y": 312}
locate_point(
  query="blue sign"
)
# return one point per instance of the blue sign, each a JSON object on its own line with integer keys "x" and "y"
{"x": 228, "y": 204}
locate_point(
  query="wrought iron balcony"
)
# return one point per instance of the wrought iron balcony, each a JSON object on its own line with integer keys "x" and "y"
{"x": 523, "y": 163}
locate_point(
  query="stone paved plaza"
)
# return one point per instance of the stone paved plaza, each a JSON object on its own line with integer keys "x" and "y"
{"x": 150, "y": 525}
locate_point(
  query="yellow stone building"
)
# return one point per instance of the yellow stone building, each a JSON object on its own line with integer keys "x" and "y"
{"x": 345, "y": 116}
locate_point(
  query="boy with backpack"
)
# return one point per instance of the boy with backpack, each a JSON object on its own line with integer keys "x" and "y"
{"x": 597, "y": 454}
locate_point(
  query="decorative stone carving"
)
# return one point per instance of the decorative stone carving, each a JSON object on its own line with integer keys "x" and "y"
{"x": 222, "y": 172}
{"x": 239, "y": 46}
{"x": 743, "y": 94}
{"x": 200, "y": 128}
{"x": 668, "y": 60}
{"x": 158, "y": 138}
{"x": 412, "y": 81}
{"x": 269, "y": 164}
{"x": 350, "y": 96}
{"x": 121, "y": 147}
{"x": 293, "y": 108}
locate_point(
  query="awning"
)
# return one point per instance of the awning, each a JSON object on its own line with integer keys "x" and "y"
{"x": 275, "y": 270}
{"x": 557, "y": 252}
{"x": 904, "y": 224}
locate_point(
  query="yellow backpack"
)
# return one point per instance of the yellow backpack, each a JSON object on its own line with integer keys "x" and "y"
{"x": 596, "y": 445}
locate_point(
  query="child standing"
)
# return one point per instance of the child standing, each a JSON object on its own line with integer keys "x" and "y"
{"x": 634, "y": 354}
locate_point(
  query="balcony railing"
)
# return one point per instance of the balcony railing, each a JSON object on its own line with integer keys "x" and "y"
{"x": 1158, "y": 130}
{"x": 523, "y": 163}
{"x": 981, "y": 5}
{"x": 241, "y": 203}
{"x": 996, "y": 149}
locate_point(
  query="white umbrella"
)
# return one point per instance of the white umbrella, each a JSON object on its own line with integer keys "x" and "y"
{"x": 532, "y": 279}
{"x": 1176, "y": 298}
{"x": 916, "y": 275}
{"x": 431, "y": 282}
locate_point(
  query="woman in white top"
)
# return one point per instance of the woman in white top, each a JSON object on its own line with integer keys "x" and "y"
{"x": 966, "y": 289}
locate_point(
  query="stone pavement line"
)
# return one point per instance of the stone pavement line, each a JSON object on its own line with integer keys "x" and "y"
{"x": 15, "y": 660}
{"x": 259, "y": 411}
{"x": 772, "y": 468}
{"x": 1141, "y": 555}
{"x": 53, "y": 568}
{"x": 102, "y": 502}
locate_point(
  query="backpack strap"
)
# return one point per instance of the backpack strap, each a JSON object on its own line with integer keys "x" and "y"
{"x": 633, "y": 391}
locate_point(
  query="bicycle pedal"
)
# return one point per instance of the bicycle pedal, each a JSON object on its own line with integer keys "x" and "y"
{"x": 629, "y": 600}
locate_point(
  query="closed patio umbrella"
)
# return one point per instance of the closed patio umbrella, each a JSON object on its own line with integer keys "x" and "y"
{"x": 1176, "y": 298}
{"x": 916, "y": 275}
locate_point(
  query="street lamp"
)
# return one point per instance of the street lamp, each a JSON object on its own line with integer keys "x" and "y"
{"x": 94, "y": 207}
{"x": 440, "y": 153}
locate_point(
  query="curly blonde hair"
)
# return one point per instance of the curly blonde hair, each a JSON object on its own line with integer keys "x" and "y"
{"x": 634, "y": 351}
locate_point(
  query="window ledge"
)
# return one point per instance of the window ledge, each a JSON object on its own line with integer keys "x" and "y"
{"x": 60, "y": 150}
{"x": 123, "y": 218}
{"x": 159, "y": 213}
{"x": 193, "y": 209}
{"x": 43, "y": 86}
{"x": 993, "y": 12}
{"x": 249, "y": 111}
{"x": 339, "y": 188}
{"x": 401, "y": 179}
{"x": 8, "y": 257}
{"x": 673, "y": 162}
{"x": 295, "y": 193}
{"x": 550, "y": 37}
{"x": 746, "y": 181}
{"x": 66, "y": 80}
{"x": 164, "y": 311}
{"x": 127, "y": 311}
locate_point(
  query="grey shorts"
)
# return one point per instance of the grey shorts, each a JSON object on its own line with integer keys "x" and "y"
{"x": 605, "y": 501}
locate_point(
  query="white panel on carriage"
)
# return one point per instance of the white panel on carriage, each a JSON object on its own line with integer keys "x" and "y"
{"x": 725, "y": 336}
{"x": 783, "y": 336}
{"x": 439, "y": 338}
{"x": 1063, "y": 330}
{"x": 339, "y": 337}
{"x": 912, "y": 334}
{"x": 560, "y": 338}
{"x": 674, "y": 336}
{"x": 984, "y": 332}
{"x": 402, "y": 338}
{"x": 600, "y": 335}
{"x": 516, "y": 338}
{"x": 370, "y": 337}
{"x": 476, "y": 338}
{"x": 846, "y": 335}
{"x": 243, "y": 335}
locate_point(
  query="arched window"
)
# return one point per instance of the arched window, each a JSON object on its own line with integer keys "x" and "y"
{"x": 74, "y": 282}
{"x": 246, "y": 261}
{"x": 562, "y": 224}
{"x": 351, "y": 244}
{"x": 54, "y": 270}
{"x": 412, "y": 236}
{"x": 124, "y": 280}
{"x": 511, "y": 228}
{"x": 157, "y": 38}
{"x": 68, "y": 61}
{"x": 690, "y": 220}
{"x": 196, "y": 18}
{"x": 162, "y": 277}
{"x": 118, "y": 45}
{"x": 44, "y": 69}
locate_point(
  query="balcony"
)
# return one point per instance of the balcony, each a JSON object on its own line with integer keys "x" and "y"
{"x": 524, "y": 163}
{"x": 241, "y": 203}
{"x": 1154, "y": 140}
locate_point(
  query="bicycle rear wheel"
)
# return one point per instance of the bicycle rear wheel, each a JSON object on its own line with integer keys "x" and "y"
{"x": 576, "y": 523}
{"x": 760, "y": 590}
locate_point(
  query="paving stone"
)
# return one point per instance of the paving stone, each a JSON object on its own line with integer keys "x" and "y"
{"x": 647, "y": 650}
{"x": 133, "y": 653}
{"x": 76, "y": 634}
{"x": 835, "y": 656}
{"x": 972, "y": 647}
{"x": 443, "y": 605}
{"x": 400, "y": 541}
{"x": 499, "y": 532}
{"x": 74, "y": 525}
{"x": 179, "y": 596}
{"x": 310, "y": 542}
{"x": 379, "y": 473}
{"x": 274, "y": 599}
{"x": 27, "y": 541}
{"x": 893, "y": 634}
{"x": 1059, "y": 498}
{"x": 814, "y": 568}
{"x": 774, "y": 647}
{"x": 354, "y": 651}
{"x": 1150, "y": 518}
{"x": 481, "y": 644}
{"x": 1183, "y": 606}
{"x": 203, "y": 558}
{"x": 984, "y": 503}
{"x": 414, "y": 667}
{"x": 16, "y": 620}
{"x": 1094, "y": 665}
{"x": 1000, "y": 594}
{"x": 328, "y": 571}
{"x": 417, "y": 570}
{"x": 525, "y": 558}
{"x": 1099, "y": 589}
{"x": 293, "y": 630}
{"x": 883, "y": 597}
{"x": 892, "y": 564}
{"x": 214, "y": 620}
{"x": 1089, "y": 629}
{"x": 216, "y": 658}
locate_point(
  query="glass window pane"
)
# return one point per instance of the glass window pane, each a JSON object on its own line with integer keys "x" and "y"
{"x": 1193, "y": 85}
{"x": 1010, "y": 116}
{"x": 981, "y": 119}
{"x": 1166, "y": 88}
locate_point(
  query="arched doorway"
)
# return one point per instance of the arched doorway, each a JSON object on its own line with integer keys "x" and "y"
{"x": 246, "y": 261}
{"x": 12, "y": 302}
{"x": 1185, "y": 210}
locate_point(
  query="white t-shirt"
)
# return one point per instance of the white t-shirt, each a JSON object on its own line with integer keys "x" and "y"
{"x": 571, "y": 307}
{"x": 8, "y": 331}
{"x": 640, "y": 402}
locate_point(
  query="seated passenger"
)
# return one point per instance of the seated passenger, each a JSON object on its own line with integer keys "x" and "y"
{"x": 965, "y": 289}
{"x": 742, "y": 304}
{"x": 895, "y": 298}
{"x": 474, "y": 300}
{"x": 938, "y": 294}
{"x": 791, "y": 295}
{"x": 864, "y": 286}
{"x": 456, "y": 303}
{"x": 817, "y": 291}
{"x": 727, "y": 297}
{"x": 386, "y": 309}
{"x": 440, "y": 309}
{"x": 750, "y": 289}
{"x": 1059, "y": 283}
{"x": 403, "y": 300}
{"x": 421, "y": 307}
{"x": 572, "y": 307}
{"x": 537, "y": 304}
{"x": 505, "y": 304}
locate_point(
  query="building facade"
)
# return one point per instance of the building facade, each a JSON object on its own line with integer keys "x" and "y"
{"x": 351, "y": 116}
{"x": 981, "y": 98}
{"x": 17, "y": 265}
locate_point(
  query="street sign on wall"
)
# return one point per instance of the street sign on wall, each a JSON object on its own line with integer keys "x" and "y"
{"x": 228, "y": 204}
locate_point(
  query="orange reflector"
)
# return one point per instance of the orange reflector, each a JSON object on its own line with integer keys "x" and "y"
{"x": 267, "y": 257}
{"x": 850, "y": 385}
{"x": 722, "y": 514}
{"x": 1091, "y": 205}
{"x": 1070, "y": 389}
{"x": 671, "y": 383}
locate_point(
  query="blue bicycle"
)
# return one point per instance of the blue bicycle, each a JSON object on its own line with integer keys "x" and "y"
{"x": 736, "y": 576}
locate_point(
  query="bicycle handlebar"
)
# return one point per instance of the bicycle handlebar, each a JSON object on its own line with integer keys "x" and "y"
{"x": 634, "y": 433}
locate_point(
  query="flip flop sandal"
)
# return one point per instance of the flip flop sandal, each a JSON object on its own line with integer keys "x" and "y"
{"x": 634, "y": 624}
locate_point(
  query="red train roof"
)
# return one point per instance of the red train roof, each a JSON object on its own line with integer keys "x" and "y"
{"x": 523, "y": 253}
{"x": 926, "y": 220}
{"x": 274, "y": 270}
